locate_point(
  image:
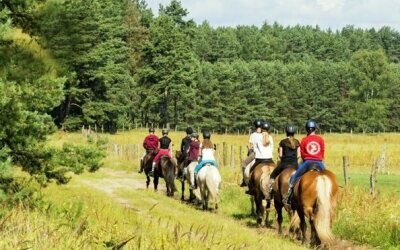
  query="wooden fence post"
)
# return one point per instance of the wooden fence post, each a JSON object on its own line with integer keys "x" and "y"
{"x": 224, "y": 154}
{"x": 345, "y": 169}
{"x": 232, "y": 156}
{"x": 372, "y": 178}
{"x": 240, "y": 154}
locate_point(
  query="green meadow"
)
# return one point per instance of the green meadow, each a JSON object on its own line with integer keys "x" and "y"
{"x": 111, "y": 208}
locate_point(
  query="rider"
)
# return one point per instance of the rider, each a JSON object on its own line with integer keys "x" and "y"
{"x": 312, "y": 149}
{"x": 257, "y": 125}
{"x": 150, "y": 144}
{"x": 165, "y": 149}
{"x": 263, "y": 147}
{"x": 288, "y": 153}
{"x": 194, "y": 148}
{"x": 186, "y": 143}
{"x": 206, "y": 155}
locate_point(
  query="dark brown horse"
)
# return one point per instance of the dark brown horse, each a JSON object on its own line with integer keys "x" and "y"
{"x": 280, "y": 189}
{"x": 315, "y": 197}
{"x": 166, "y": 169}
{"x": 182, "y": 163}
{"x": 258, "y": 185}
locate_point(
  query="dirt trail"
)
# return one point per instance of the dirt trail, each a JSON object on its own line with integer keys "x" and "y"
{"x": 117, "y": 179}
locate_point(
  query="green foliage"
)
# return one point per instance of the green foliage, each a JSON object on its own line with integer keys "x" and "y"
{"x": 78, "y": 158}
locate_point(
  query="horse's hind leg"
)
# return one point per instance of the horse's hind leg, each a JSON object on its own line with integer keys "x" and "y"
{"x": 147, "y": 181}
{"x": 155, "y": 182}
{"x": 278, "y": 208}
{"x": 183, "y": 191}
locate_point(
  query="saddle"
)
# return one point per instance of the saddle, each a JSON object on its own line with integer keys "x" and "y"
{"x": 310, "y": 167}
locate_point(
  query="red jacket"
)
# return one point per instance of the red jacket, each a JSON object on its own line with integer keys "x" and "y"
{"x": 312, "y": 147}
{"x": 150, "y": 142}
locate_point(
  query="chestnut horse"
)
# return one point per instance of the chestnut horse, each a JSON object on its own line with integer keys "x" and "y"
{"x": 315, "y": 197}
{"x": 258, "y": 185}
{"x": 280, "y": 189}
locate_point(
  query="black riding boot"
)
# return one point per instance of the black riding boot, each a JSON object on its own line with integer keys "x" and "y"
{"x": 288, "y": 197}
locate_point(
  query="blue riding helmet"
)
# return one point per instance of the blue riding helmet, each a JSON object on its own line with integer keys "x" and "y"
{"x": 311, "y": 126}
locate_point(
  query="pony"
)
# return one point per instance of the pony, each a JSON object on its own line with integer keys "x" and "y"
{"x": 166, "y": 169}
{"x": 209, "y": 182}
{"x": 279, "y": 190}
{"x": 315, "y": 197}
{"x": 185, "y": 172}
{"x": 258, "y": 184}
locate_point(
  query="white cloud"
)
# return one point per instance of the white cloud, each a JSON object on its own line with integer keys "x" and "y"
{"x": 333, "y": 14}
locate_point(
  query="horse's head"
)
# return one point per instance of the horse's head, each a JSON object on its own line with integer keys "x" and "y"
{"x": 249, "y": 150}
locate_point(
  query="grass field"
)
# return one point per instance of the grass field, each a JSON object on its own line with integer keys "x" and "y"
{"x": 79, "y": 217}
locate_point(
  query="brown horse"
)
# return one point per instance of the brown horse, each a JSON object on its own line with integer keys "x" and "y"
{"x": 315, "y": 197}
{"x": 146, "y": 163}
{"x": 181, "y": 165}
{"x": 258, "y": 185}
{"x": 166, "y": 169}
{"x": 280, "y": 189}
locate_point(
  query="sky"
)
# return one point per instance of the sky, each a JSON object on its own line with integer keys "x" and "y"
{"x": 334, "y": 14}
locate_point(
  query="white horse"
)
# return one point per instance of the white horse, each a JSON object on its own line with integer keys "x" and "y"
{"x": 209, "y": 182}
{"x": 246, "y": 177}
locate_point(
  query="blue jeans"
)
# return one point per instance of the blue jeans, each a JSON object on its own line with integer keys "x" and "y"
{"x": 304, "y": 168}
{"x": 202, "y": 163}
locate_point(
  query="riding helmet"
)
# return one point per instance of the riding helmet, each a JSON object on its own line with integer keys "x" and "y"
{"x": 311, "y": 126}
{"x": 291, "y": 129}
{"x": 151, "y": 130}
{"x": 165, "y": 131}
{"x": 257, "y": 123}
{"x": 189, "y": 131}
{"x": 265, "y": 126}
{"x": 206, "y": 134}
{"x": 195, "y": 135}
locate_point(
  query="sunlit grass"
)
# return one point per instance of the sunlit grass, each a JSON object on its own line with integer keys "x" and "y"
{"x": 80, "y": 217}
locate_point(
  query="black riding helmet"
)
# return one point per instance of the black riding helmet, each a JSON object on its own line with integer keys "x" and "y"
{"x": 206, "y": 134}
{"x": 257, "y": 123}
{"x": 291, "y": 129}
{"x": 265, "y": 125}
{"x": 311, "y": 126}
{"x": 151, "y": 130}
{"x": 165, "y": 131}
{"x": 195, "y": 135}
{"x": 189, "y": 131}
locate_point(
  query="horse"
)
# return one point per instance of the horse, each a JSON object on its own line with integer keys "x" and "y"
{"x": 315, "y": 197}
{"x": 146, "y": 164}
{"x": 209, "y": 182}
{"x": 166, "y": 169}
{"x": 258, "y": 184}
{"x": 280, "y": 189}
{"x": 184, "y": 171}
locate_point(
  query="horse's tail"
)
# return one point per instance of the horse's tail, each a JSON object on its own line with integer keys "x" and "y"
{"x": 170, "y": 176}
{"x": 322, "y": 220}
{"x": 213, "y": 181}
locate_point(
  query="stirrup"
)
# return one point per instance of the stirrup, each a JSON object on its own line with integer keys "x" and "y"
{"x": 243, "y": 184}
